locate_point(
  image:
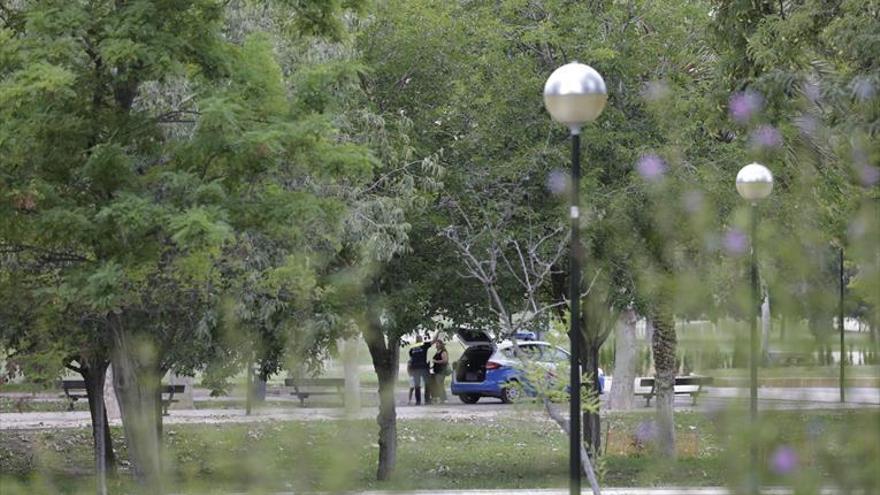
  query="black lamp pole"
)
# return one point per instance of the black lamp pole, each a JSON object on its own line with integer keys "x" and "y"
{"x": 575, "y": 335}
{"x": 756, "y": 301}
{"x": 575, "y": 94}
{"x": 753, "y": 344}
{"x": 840, "y": 325}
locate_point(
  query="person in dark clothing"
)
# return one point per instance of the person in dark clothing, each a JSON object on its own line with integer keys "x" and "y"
{"x": 440, "y": 362}
{"x": 417, "y": 366}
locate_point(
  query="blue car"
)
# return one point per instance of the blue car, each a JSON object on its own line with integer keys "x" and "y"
{"x": 487, "y": 369}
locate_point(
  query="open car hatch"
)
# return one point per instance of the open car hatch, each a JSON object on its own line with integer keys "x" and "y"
{"x": 471, "y": 337}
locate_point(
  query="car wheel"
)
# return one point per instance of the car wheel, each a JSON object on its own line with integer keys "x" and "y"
{"x": 469, "y": 398}
{"x": 511, "y": 392}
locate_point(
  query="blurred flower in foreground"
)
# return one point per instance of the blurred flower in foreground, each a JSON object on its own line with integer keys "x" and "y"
{"x": 766, "y": 136}
{"x": 869, "y": 175}
{"x": 557, "y": 182}
{"x": 744, "y": 105}
{"x": 655, "y": 90}
{"x": 807, "y": 124}
{"x": 651, "y": 167}
{"x": 863, "y": 88}
{"x": 812, "y": 91}
{"x": 645, "y": 434}
{"x": 735, "y": 241}
{"x": 784, "y": 460}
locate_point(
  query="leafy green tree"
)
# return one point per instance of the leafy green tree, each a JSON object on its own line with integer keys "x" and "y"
{"x": 150, "y": 191}
{"x": 471, "y": 82}
{"x": 804, "y": 78}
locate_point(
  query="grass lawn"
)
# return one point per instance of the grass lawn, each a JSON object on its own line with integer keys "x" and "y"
{"x": 514, "y": 451}
{"x": 25, "y": 405}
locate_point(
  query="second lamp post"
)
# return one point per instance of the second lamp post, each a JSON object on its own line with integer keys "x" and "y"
{"x": 574, "y": 95}
{"x": 754, "y": 182}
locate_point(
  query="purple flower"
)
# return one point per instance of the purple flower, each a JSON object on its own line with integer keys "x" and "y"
{"x": 766, "y": 136}
{"x": 651, "y": 167}
{"x": 744, "y": 105}
{"x": 812, "y": 91}
{"x": 869, "y": 175}
{"x": 784, "y": 460}
{"x": 863, "y": 88}
{"x": 645, "y": 432}
{"x": 655, "y": 90}
{"x": 557, "y": 182}
{"x": 807, "y": 124}
{"x": 735, "y": 241}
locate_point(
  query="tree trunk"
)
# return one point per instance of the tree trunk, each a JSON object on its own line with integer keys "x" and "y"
{"x": 136, "y": 379}
{"x": 622, "y": 393}
{"x": 94, "y": 374}
{"x": 158, "y": 406}
{"x": 664, "y": 346}
{"x": 249, "y": 389}
{"x": 385, "y": 358}
{"x": 387, "y": 420}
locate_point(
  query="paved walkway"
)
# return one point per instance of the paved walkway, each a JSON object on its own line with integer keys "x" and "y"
{"x": 715, "y": 399}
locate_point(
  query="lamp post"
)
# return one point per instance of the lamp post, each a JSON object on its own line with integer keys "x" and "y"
{"x": 840, "y": 326}
{"x": 575, "y": 94}
{"x": 754, "y": 182}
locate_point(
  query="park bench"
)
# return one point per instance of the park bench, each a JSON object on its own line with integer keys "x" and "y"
{"x": 169, "y": 391}
{"x": 684, "y": 385}
{"x": 303, "y": 388}
{"x": 73, "y": 390}
{"x": 76, "y": 389}
{"x": 788, "y": 358}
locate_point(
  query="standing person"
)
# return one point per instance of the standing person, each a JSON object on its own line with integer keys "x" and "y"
{"x": 417, "y": 367}
{"x": 441, "y": 370}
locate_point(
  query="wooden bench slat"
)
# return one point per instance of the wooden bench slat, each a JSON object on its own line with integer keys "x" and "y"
{"x": 306, "y": 387}
{"x": 71, "y": 387}
{"x": 684, "y": 385}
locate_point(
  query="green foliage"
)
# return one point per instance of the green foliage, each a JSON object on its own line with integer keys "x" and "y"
{"x": 149, "y": 152}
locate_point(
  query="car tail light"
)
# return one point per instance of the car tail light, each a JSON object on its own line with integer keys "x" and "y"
{"x": 492, "y": 365}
